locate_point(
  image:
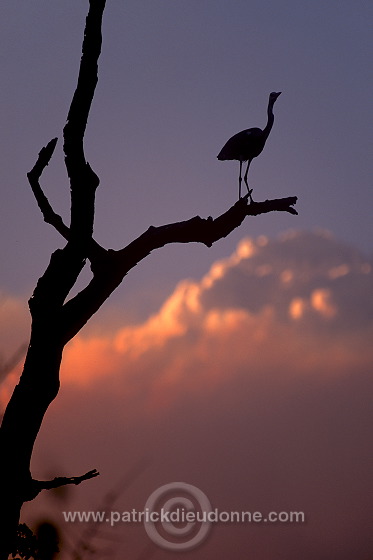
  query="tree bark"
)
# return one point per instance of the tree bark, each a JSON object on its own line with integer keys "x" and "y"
{"x": 55, "y": 321}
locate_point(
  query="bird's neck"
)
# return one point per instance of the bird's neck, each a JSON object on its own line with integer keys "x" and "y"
{"x": 270, "y": 120}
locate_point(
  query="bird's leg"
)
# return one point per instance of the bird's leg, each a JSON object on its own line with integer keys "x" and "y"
{"x": 245, "y": 179}
{"x": 240, "y": 181}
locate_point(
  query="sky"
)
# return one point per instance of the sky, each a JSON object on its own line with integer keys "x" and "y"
{"x": 243, "y": 369}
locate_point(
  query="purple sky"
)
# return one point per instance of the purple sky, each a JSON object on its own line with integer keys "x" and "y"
{"x": 188, "y": 386}
{"x": 177, "y": 79}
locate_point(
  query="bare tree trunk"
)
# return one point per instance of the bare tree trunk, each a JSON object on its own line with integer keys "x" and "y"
{"x": 55, "y": 321}
{"x": 39, "y": 383}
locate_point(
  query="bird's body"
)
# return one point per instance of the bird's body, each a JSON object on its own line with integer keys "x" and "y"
{"x": 248, "y": 144}
{"x": 244, "y": 145}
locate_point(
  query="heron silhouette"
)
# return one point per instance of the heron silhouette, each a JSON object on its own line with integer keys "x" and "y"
{"x": 248, "y": 144}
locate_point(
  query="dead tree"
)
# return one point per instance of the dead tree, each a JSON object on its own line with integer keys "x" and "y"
{"x": 56, "y": 320}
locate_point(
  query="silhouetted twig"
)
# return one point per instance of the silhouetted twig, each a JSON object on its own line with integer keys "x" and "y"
{"x": 37, "y": 486}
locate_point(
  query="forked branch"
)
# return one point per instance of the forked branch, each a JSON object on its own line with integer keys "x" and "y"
{"x": 196, "y": 229}
{"x": 109, "y": 267}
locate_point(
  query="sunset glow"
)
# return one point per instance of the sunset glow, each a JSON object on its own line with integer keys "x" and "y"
{"x": 242, "y": 368}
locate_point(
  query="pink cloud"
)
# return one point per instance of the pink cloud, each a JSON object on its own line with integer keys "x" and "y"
{"x": 253, "y": 384}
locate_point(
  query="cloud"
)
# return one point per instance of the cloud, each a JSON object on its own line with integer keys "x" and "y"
{"x": 284, "y": 296}
{"x": 253, "y": 383}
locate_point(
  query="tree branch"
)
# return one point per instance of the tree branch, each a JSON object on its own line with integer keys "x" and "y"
{"x": 49, "y": 215}
{"x": 110, "y": 271}
{"x": 110, "y": 267}
{"x": 36, "y": 486}
{"x": 83, "y": 180}
{"x": 66, "y": 265}
{"x": 199, "y": 230}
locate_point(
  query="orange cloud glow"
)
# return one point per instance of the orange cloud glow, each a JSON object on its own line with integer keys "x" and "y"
{"x": 194, "y": 330}
{"x": 251, "y": 383}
